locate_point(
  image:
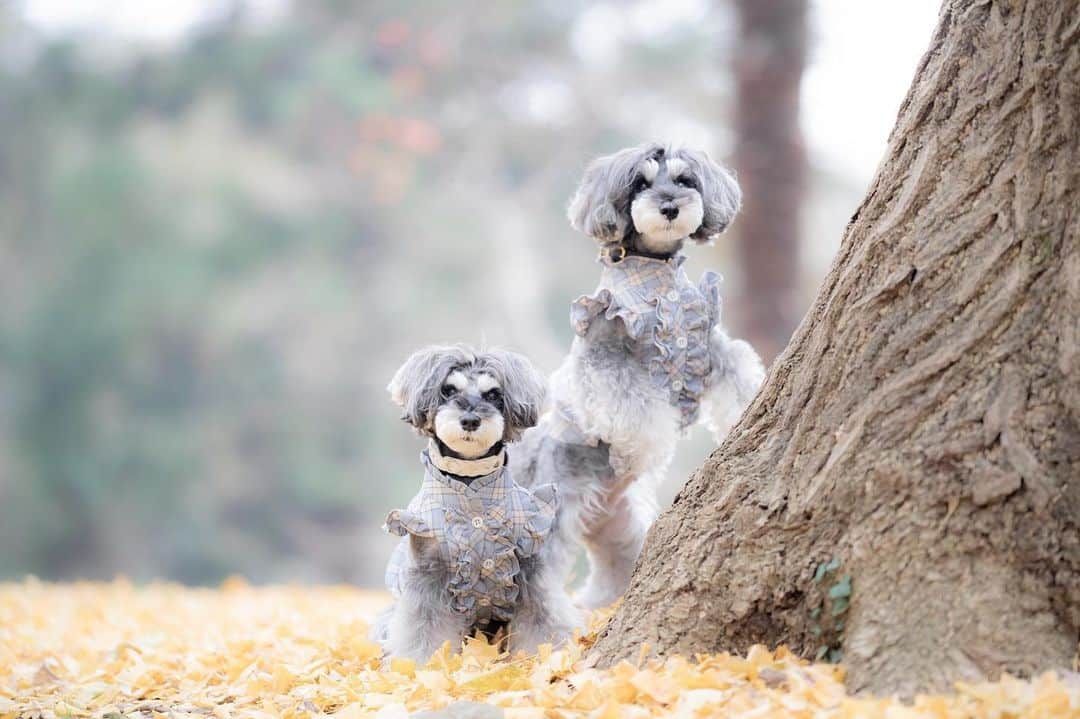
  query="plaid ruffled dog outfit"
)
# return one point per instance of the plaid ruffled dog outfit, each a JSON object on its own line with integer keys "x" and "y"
{"x": 482, "y": 530}
{"x": 669, "y": 319}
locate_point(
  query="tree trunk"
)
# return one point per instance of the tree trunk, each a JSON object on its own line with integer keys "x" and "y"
{"x": 921, "y": 433}
{"x": 771, "y": 162}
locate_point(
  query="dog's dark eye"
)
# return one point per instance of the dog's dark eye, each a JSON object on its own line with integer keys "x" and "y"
{"x": 639, "y": 185}
{"x": 686, "y": 181}
{"x": 493, "y": 395}
{"x": 449, "y": 390}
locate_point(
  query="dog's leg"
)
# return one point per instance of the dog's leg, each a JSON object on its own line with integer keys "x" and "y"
{"x": 737, "y": 374}
{"x": 545, "y": 614}
{"x": 613, "y": 541}
{"x": 380, "y": 626}
{"x": 420, "y": 622}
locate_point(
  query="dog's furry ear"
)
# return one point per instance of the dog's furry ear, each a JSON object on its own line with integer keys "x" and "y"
{"x": 416, "y": 386}
{"x": 600, "y": 207}
{"x": 523, "y": 390}
{"x": 720, "y": 194}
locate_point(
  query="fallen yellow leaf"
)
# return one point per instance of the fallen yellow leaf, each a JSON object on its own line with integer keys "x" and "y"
{"x": 93, "y": 650}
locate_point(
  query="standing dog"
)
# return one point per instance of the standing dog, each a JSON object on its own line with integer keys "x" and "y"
{"x": 479, "y": 553}
{"x": 650, "y": 357}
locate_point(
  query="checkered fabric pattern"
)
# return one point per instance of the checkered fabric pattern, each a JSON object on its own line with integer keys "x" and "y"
{"x": 481, "y": 531}
{"x": 669, "y": 318}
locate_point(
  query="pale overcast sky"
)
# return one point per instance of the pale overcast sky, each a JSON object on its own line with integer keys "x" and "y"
{"x": 863, "y": 56}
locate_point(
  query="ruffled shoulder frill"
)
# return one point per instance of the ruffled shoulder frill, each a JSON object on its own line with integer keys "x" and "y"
{"x": 402, "y": 522}
{"x": 587, "y": 308}
{"x": 540, "y": 518}
{"x": 710, "y": 290}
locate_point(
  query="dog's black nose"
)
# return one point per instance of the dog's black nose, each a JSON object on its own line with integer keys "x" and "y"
{"x": 470, "y": 422}
{"x": 669, "y": 210}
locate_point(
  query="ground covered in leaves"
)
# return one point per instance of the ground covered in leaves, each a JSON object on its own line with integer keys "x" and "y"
{"x": 110, "y": 650}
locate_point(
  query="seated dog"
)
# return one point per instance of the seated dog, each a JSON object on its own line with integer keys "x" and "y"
{"x": 479, "y": 553}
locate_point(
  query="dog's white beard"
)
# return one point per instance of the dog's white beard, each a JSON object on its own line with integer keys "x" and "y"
{"x": 658, "y": 233}
{"x": 469, "y": 445}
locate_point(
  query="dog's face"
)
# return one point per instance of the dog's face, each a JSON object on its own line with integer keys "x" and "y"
{"x": 656, "y": 196}
{"x": 470, "y": 418}
{"x": 665, "y": 202}
{"x": 468, "y": 400}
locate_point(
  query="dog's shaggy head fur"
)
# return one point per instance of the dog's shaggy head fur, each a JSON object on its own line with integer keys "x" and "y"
{"x": 469, "y": 400}
{"x": 651, "y": 198}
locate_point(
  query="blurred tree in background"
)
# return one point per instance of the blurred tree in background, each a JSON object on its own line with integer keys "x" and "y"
{"x": 214, "y": 254}
{"x": 771, "y": 162}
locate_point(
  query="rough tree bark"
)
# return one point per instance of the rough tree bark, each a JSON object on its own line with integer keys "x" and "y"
{"x": 923, "y": 426}
{"x": 771, "y": 162}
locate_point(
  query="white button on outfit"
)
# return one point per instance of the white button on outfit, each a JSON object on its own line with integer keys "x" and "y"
{"x": 657, "y": 305}
{"x": 454, "y": 516}
{"x": 677, "y": 385}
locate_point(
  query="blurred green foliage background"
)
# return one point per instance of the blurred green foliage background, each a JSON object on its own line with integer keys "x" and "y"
{"x": 213, "y": 254}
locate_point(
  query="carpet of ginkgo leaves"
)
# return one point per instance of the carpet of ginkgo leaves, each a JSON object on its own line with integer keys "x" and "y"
{"x": 112, "y": 650}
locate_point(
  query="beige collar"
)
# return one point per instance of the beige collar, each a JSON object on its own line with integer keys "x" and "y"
{"x": 465, "y": 467}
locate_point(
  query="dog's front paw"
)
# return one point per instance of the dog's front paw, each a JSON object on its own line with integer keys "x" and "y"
{"x": 527, "y": 638}
{"x": 593, "y": 596}
{"x": 738, "y": 381}
{"x": 746, "y": 370}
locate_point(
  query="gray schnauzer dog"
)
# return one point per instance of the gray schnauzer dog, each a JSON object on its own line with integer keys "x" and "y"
{"x": 479, "y": 553}
{"x": 650, "y": 357}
